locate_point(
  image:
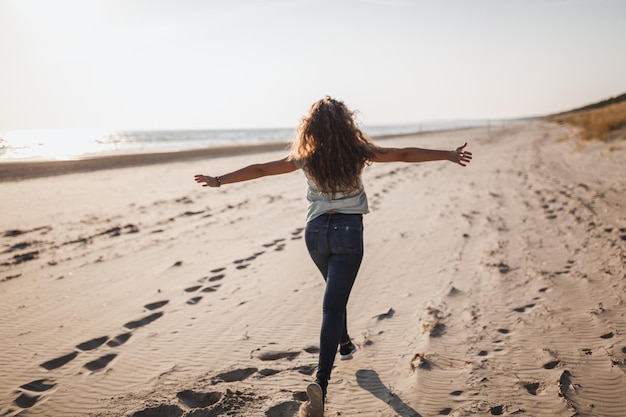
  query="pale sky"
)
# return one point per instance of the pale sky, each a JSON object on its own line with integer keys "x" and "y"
{"x": 208, "y": 64}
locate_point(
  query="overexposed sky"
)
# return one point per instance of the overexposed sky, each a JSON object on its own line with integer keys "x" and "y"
{"x": 204, "y": 64}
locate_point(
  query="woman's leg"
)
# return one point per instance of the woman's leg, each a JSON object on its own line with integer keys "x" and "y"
{"x": 316, "y": 238}
{"x": 345, "y": 241}
{"x": 321, "y": 260}
{"x": 342, "y": 273}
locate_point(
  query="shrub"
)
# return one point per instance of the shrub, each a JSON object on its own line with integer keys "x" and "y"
{"x": 596, "y": 123}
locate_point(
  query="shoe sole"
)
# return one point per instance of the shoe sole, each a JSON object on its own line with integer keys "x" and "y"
{"x": 316, "y": 399}
{"x": 347, "y": 356}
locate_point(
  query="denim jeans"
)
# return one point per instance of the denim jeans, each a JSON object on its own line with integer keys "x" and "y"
{"x": 335, "y": 243}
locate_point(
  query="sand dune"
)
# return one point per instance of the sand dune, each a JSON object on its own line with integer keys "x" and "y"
{"x": 496, "y": 289}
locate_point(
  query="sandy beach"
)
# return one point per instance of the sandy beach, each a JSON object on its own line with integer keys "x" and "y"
{"x": 495, "y": 289}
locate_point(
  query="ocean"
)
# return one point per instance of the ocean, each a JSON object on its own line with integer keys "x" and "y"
{"x": 68, "y": 144}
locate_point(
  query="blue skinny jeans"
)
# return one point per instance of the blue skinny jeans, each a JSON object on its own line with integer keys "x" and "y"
{"x": 335, "y": 243}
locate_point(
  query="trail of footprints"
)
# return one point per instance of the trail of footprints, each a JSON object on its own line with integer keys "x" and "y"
{"x": 556, "y": 206}
{"x": 533, "y": 387}
{"x": 21, "y": 249}
{"x": 31, "y": 393}
{"x": 392, "y": 178}
{"x": 426, "y": 362}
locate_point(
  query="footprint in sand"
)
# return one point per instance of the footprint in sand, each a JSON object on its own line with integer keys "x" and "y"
{"x": 276, "y": 355}
{"x": 216, "y": 278}
{"x": 144, "y": 321}
{"x": 31, "y": 392}
{"x": 59, "y": 362}
{"x": 551, "y": 364}
{"x": 119, "y": 340}
{"x": 240, "y": 262}
{"x": 523, "y": 309}
{"x": 297, "y": 234}
{"x": 92, "y": 344}
{"x": 269, "y": 245}
{"x": 305, "y": 369}
{"x": 101, "y": 362}
{"x": 287, "y": 408}
{"x": 194, "y": 300}
{"x": 154, "y": 306}
{"x": 496, "y": 411}
{"x": 193, "y": 289}
{"x": 195, "y": 399}
{"x": 235, "y": 375}
{"x": 268, "y": 372}
{"x": 40, "y": 385}
{"x": 26, "y": 400}
{"x": 191, "y": 213}
{"x": 531, "y": 387}
{"x": 168, "y": 410}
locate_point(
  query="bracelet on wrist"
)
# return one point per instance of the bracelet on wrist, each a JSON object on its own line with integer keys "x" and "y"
{"x": 219, "y": 181}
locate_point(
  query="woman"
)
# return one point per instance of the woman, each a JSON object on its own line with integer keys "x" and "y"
{"x": 332, "y": 152}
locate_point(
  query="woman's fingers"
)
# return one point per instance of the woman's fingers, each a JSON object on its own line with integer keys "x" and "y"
{"x": 201, "y": 178}
{"x": 464, "y": 156}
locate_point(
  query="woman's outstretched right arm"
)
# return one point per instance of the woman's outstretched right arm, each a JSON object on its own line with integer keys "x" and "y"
{"x": 458, "y": 156}
{"x": 281, "y": 166}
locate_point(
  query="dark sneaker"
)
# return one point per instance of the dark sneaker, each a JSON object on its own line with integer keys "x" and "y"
{"x": 346, "y": 350}
{"x": 316, "y": 399}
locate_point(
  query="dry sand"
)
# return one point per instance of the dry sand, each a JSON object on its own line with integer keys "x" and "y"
{"x": 496, "y": 289}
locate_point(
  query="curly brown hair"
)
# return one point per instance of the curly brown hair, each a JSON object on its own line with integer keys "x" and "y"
{"x": 334, "y": 149}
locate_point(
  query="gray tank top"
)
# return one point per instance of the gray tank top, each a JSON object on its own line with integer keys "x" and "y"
{"x": 320, "y": 202}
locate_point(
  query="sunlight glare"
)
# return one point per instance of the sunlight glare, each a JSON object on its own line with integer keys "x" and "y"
{"x": 59, "y": 144}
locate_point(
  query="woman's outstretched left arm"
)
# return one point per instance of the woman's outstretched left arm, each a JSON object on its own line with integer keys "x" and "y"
{"x": 458, "y": 156}
{"x": 281, "y": 166}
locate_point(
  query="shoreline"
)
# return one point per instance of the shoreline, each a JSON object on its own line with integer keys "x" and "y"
{"x": 22, "y": 170}
{"x": 28, "y": 169}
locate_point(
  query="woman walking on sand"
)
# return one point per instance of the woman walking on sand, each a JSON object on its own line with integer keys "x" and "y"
{"x": 332, "y": 151}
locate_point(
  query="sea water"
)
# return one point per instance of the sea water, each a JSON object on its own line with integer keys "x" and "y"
{"x": 65, "y": 144}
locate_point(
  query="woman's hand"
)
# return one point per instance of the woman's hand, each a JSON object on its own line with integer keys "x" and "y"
{"x": 461, "y": 156}
{"x": 207, "y": 181}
